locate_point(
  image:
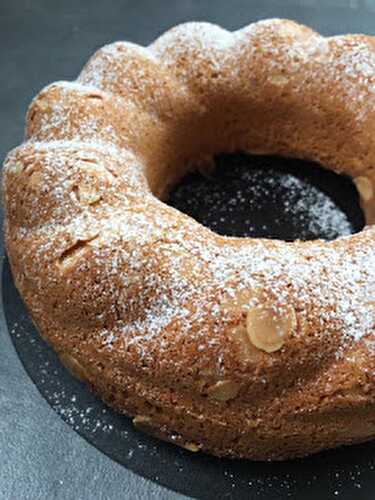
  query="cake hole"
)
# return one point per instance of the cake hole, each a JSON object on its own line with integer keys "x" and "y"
{"x": 270, "y": 197}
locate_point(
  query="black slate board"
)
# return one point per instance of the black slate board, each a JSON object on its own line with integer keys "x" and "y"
{"x": 41, "y": 456}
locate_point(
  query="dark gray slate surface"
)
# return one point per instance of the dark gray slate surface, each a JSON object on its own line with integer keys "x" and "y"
{"x": 42, "y": 41}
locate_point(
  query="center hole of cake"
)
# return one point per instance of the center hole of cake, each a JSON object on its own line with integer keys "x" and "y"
{"x": 270, "y": 197}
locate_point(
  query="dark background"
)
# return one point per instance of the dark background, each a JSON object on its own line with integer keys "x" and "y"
{"x": 42, "y": 41}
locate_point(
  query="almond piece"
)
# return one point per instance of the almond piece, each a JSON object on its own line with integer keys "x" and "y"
{"x": 35, "y": 180}
{"x": 76, "y": 251}
{"x": 73, "y": 366}
{"x": 224, "y": 390}
{"x": 365, "y": 188}
{"x": 141, "y": 421}
{"x": 42, "y": 104}
{"x": 192, "y": 446}
{"x": 88, "y": 193}
{"x": 268, "y": 328}
{"x": 278, "y": 80}
{"x": 93, "y": 178}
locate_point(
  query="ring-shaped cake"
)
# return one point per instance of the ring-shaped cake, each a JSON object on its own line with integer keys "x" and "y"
{"x": 243, "y": 347}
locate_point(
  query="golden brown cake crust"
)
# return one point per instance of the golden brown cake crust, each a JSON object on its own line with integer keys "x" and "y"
{"x": 249, "y": 348}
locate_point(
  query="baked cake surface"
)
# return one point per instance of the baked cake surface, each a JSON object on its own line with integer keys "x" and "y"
{"x": 242, "y": 347}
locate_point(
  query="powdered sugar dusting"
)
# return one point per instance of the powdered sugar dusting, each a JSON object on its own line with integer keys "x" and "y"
{"x": 284, "y": 271}
{"x": 316, "y": 208}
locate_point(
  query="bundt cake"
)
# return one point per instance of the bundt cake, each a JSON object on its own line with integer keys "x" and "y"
{"x": 241, "y": 347}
